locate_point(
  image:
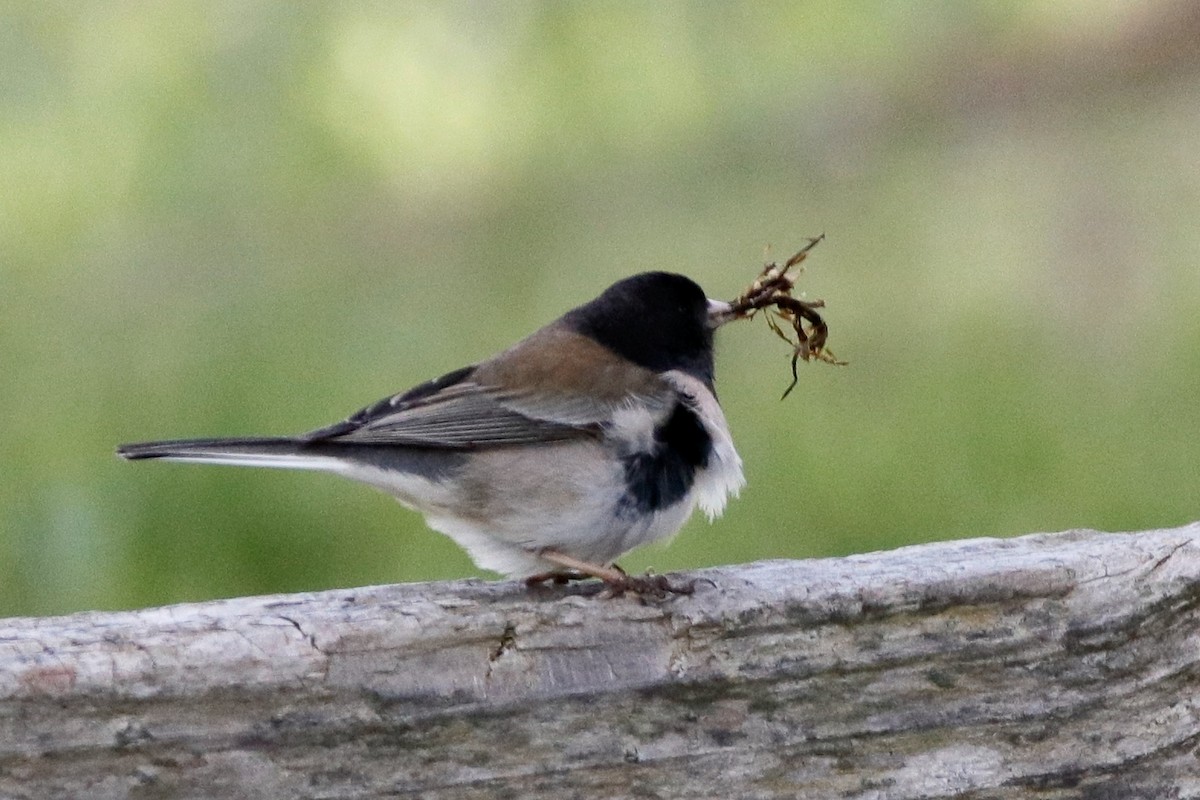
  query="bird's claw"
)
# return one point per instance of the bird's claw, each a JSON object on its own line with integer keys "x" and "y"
{"x": 648, "y": 587}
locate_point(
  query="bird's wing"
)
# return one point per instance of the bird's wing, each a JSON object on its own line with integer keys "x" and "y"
{"x": 452, "y": 412}
{"x": 551, "y": 386}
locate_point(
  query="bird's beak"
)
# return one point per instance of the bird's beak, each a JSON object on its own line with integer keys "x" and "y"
{"x": 719, "y": 312}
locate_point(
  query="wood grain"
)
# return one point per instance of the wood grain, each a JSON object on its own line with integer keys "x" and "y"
{"x": 1048, "y": 666}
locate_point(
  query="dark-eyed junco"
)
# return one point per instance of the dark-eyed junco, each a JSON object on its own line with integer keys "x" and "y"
{"x": 594, "y": 435}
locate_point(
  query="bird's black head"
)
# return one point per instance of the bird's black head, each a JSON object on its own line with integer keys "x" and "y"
{"x": 658, "y": 320}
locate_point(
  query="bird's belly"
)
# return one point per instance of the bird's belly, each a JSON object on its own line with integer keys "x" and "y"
{"x": 509, "y": 504}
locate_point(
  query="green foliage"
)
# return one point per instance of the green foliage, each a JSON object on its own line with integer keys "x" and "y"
{"x": 223, "y": 219}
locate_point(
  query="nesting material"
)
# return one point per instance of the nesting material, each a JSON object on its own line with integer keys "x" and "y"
{"x": 795, "y": 321}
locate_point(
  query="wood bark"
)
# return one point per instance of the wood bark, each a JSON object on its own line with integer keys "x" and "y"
{"x": 1047, "y": 666}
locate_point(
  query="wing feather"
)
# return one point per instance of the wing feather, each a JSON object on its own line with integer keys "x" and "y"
{"x": 463, "y": 416}
{"x": 551, "y": 386}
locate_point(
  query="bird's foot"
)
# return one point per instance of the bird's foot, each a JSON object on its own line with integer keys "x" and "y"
{"x": 647, "y": 587}
{"x": 617, "y": 581}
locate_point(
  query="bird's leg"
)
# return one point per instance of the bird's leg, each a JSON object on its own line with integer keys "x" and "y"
{"x": 616, "y": 579}
{"x": 609, "y": 575}
{"x": 557, "y": 577}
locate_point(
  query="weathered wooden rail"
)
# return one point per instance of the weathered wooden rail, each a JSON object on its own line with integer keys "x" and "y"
{"x": 1048, "y": 666}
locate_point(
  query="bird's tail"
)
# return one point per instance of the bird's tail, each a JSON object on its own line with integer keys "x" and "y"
{"x": 280, "y": 453}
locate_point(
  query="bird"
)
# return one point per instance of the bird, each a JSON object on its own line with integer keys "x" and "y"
{"x": 596, "y": 434}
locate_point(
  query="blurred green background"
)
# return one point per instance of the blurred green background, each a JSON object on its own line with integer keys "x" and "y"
{"x": 223, "y": 218}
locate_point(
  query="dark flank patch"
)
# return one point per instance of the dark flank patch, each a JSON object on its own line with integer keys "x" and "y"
{"x": 661, "y": 478}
